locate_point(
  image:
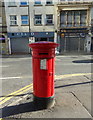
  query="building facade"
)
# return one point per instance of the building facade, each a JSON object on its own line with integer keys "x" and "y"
{"x": 67, "y": 22}
{"x": 29, "y": 21}
{"x": 3, "y": 30}
{"x": 74, "y": 26}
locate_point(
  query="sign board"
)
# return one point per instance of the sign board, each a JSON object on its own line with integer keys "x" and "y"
{"x": 43, "y": 64}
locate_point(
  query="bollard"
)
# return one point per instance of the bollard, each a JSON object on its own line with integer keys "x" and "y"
{"x": 43, "y": 62}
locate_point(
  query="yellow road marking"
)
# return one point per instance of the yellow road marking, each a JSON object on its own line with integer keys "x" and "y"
{"x": 28, "y": 87}
{"x": 71, "y": 75}
{"x": 16, "y": 92}
{"x": 15, "y": 95}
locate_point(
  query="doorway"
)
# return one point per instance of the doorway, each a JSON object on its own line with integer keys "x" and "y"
{"x": 43, "y": 39}
{"x": 40, "y": 39}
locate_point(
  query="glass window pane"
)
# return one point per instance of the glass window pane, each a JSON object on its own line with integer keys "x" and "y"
{"x": 83, "y": 18}
{"x": 69, "y": 18}
{"x": 23, "y": 3}
{"x": 12, "y": 2}
{"x": 38, "y": 19}
{"x": 13, "y": 18}
{"x": 37, "y": 2}
{"x": 0, "y": 20}
{"x": 25, "y": 22}
{"x": 76, "y": 18}
{"x": 13, "y": 22}
{"x": 49, "y": 2}
{"x": 24, "y": 17}
{"x": 49, "y": 19}
{"x": 63, "y": 19}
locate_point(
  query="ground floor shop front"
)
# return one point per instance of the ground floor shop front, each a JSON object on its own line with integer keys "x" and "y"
{"x": 18, "y": 42}
{"x": 74, "y": 40}
{"x": 69, "y": 42}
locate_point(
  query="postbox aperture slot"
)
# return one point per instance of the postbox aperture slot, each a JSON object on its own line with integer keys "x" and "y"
{"x": 43, "y": 53}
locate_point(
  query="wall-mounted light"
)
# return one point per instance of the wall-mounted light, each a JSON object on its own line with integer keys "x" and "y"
{"x": 46, "y": 33}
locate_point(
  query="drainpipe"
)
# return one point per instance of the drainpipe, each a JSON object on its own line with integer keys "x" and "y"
{"x": 9, "y": 43}
{"x": 29, "y": 25}
{"x": 55, "y": 40}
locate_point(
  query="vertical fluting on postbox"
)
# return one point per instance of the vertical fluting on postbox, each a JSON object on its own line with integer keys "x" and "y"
{"x": 43, "y": 62}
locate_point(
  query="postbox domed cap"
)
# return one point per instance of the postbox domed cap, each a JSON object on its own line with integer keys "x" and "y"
{"x": 43, "y": 44}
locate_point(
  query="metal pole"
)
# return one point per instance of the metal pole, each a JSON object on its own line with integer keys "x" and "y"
{"x": 29, "y": 17}
{"x": 65, "y": 45}
{"x": 29, "y": 24}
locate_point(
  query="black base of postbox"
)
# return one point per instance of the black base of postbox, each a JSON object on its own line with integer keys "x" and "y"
{"x": 43, "y": 103}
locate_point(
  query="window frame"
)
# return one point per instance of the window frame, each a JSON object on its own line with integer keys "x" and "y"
{"x": 37, "y": 19}
{"x": 49, "y": 19}
{"x": 79, "y": 19}
{"x": 24, "y": 20}
{"x": 13, "y": 20}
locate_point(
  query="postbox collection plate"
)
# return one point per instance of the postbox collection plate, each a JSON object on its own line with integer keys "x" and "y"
{"x": 43, "y": 64}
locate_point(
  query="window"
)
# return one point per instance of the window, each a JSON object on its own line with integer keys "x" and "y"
{"x": 24, "y": 20}
{"x": 83, "y": 18}
{"x": 70, "y": 0}
{"x": 23, "y": 3}
{"x": 73, "y": 18}
{"x": 62, "y": 0}
{"x": 37, "y": 2}
{"x": 0, "y": 20}
{"x": 49, "y": 19}
{"x": 76, "y": 18}
{"x": 63, "y": 18}
{"x": 69, "y": 18}
{"x": 13, "y": 20}
{"x": 49, "y": 2}
{"x": 11, "y": 3}
{"x": 38, "y": 19}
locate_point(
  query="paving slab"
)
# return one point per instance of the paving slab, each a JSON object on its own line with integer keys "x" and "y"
{"x": 72, "y": 100}
{"x": 66, "y": 106}
{"x": 84, "y": 98}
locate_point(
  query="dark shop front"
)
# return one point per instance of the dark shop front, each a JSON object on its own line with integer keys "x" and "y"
{"x": 73, "y": 40}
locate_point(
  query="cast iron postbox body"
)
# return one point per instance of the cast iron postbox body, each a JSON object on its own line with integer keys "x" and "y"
{"x": 43, "y": 62}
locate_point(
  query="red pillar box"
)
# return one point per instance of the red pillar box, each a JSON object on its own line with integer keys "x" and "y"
{"x": 43, "y": 60}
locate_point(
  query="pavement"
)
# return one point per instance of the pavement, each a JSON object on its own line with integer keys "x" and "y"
{"x": 73, "y": 99}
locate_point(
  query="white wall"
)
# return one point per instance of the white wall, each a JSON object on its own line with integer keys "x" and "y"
{"x": 33, "y": 10}
{"x": 16, "y": 11}
{"x": 43, "y": 10}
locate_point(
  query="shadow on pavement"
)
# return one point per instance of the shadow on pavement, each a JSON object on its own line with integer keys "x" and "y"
{"x": 16, "y": 56}
{"x": 74, "y": 84}
{"x": 18, "y": 109}
{"x": 10, "y": 111}
{"x": 83, "y": 61}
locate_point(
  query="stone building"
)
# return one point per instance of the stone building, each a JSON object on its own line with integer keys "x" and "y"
{"x": 75, "y": 20}
{"x": 3, "y": 30}
{"x": 68, "y": 22}
{"x": 29, "y": 21}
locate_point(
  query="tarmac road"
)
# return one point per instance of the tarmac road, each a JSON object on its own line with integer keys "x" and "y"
{"x": 17, "y": 72}
{"x": 17, "y": 69}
